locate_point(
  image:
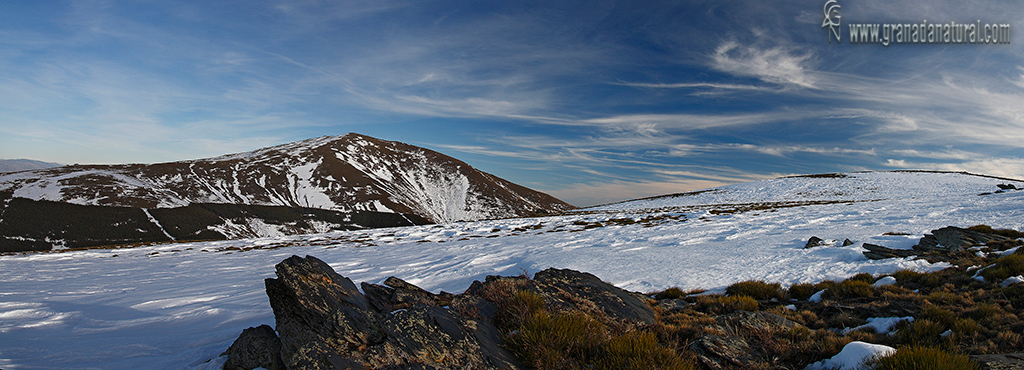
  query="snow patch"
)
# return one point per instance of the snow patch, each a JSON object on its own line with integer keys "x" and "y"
{"x": 1012, "y": 280}
{"x": 880, "y": 325}
{"x": 852, "y": 357}
{"x": 816, "y": 297}
{"x": 888, "y": 280}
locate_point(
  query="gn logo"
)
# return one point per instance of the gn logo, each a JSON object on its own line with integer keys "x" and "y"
{"x": 832, "y": 20}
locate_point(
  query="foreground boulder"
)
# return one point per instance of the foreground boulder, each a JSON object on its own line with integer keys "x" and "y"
{"x": 324, "y": 322}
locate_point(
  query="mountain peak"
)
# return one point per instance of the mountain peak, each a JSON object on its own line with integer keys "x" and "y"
{"x": 352, "y": 172}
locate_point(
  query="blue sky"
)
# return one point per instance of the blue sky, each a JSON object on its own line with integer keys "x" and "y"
{"x": 591, "y": 101}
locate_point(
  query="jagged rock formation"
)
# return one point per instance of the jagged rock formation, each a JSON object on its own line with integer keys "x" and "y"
{"x": 340, "y": 173}
{"x": 324, "y": 322}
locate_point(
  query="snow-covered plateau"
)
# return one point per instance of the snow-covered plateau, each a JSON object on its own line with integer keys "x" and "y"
{"x": 179, "y": 305}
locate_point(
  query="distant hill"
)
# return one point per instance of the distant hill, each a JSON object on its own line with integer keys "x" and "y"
{"x": 14, "y": 165}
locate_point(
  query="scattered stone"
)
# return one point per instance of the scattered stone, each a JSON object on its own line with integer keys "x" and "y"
{"x": 878, "y": 252}
{"x": 847, "y": 243}
{"x": 814, "y": 241}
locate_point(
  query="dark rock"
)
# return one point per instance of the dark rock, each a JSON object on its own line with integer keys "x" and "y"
{"x": 398, "y": 294}
{"x": 723, "y": 352}
{"x": 434, "y": 337}
{"x": 255, "y": 347}
{"x": 319, "y": 313}
{"x": 878, "y": 252}
{"x": 814, "y": 241}
{"x": 475, "y": 307}
{"x": 578, "y": 290}
{"x": 955, "y": 240}
{"x": 847, "y": 243}
{"x": 1009, "y": 361}
{"x": 380, "y": 297}
{"x": 1007, "y": 186}
{"x": 406, "y": 294}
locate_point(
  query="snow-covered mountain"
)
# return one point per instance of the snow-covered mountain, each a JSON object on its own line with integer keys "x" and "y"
{"x": 180, "y": 305}
{"x": 341, "y": 173}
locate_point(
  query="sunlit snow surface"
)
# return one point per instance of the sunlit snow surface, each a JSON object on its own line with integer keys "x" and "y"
{"x": 180, "y": 305}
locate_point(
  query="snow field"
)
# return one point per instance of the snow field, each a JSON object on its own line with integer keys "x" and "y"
{"x": 180, "y": 305}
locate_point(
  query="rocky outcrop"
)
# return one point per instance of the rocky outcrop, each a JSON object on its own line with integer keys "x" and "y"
{"x": 954, "y": 239}
{"x": 878, "y": 252}
{"x": 324, "y": 322}
{"x": 944, "y": 244}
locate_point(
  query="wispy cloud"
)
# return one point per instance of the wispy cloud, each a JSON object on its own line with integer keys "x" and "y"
{"x": 1020, "y": 81}
{"x": 777, "y": 65}
{"x": 696, "y": 85}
